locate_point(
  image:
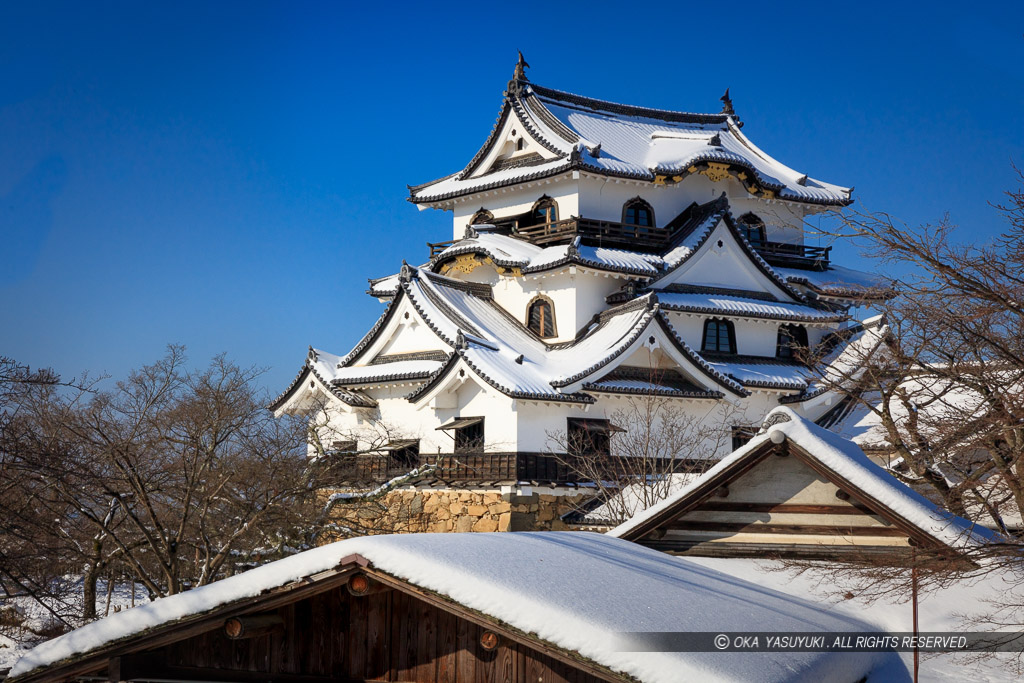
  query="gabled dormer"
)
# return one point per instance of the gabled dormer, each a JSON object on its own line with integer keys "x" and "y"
{"x": 595, "y": 156}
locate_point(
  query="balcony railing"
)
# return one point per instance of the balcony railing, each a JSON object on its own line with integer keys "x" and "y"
{"x": 547, "y": 468}
{"x": 642, "y": 238}
{"x": 803, "y": 256}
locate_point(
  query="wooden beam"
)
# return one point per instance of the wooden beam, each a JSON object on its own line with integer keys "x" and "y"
{"x": 251, "y": 626}
{"x": 703, "y": 491}
{"x": 787, "y": 508}
{"x": 794, "y": 529}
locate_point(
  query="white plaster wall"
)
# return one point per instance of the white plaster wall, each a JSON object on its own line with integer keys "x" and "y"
{"x": 409, "y": 335}
{"x": 543, "y": 425}
{"x": 401, "y": 419}
{"x": 753, "y": 337}
{"x": 512, "y": 201}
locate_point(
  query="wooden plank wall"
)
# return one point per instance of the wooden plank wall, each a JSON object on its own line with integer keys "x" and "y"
{"x": 780, "y": 506}
{"x": 387, "y": 636}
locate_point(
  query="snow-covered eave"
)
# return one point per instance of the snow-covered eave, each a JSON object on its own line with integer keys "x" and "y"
{"x": 841, "y": 294}
{"x": 869, "y": 484}
{"x": 756, "y": 183}
{"x": 826, "y": 393}
{"x": 439, "y": 380}
{"x": 555, "y": 266}
{"x": 808, "y": 319}
{"x": 317, "y": 580}
{"x": 279, "y": 406}
{"x": 649, "y": 307}
{"x": 664, "y": 392}
{"x": 837, "y": 190}
{"x": 94, "y": 660}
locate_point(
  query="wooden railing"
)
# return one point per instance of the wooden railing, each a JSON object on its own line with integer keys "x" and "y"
{"x": 794, "y": 255}
{"x": 597, "y": 232}
{"x": 547, "y": 468}
{"x": 643, "y": 238}
{"x": 437, "y": 247}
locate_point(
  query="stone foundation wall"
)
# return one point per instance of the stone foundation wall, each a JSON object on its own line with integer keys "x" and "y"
{"x": 416, "y": 511}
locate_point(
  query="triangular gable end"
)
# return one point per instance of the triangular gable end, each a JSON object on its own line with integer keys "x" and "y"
{"x": 402, "y": 329}
{"x": 511, "y": 144}
{"x": 657, "y": 350}
{"x": 721, "y": 261}
{"x": 778, "y": 497}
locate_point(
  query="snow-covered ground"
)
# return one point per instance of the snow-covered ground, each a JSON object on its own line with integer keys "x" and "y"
{"x": 17, "y": 640}
{"x": 938, "y": 610}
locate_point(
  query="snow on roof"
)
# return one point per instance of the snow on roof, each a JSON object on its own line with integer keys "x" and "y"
{"x": 384, "y": 286}
{"x": 845, "y": 364}
{"x": 576, "y": 590}
{"x": 767, "y": 373}
{"x": 738, "y": 305}
{"x": 498, "y": 339}
{"x": 402, "y": 369}
{"x": 322, "y": 365}
{"x": 634, "y": 142}
{"x": 511, "y": 252}
{"x": 847, "y": 460}
{"x": 840, "y": 281}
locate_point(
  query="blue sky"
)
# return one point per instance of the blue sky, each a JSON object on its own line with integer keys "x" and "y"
{"x": 227, "y": 176}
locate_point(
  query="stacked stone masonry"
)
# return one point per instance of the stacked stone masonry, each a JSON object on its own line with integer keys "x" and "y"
{"x": 453, "y": 510}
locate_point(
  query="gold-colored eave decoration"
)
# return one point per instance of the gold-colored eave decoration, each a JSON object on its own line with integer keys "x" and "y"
{"x": 717, "y": 172}
{"x": 467, "y": 263}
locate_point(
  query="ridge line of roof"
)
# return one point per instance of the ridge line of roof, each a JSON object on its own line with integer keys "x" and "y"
{"x": 627, "y": 109}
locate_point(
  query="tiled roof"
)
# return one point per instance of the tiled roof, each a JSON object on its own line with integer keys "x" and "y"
{"x": 743, "y": 306}
{"x": 841, "y": 282}
{"x": 762, "y": 372}
{"x": 321, "y": 365}
{"x": 627, "y": 141}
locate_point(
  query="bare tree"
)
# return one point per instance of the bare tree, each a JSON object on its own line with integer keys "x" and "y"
{"x": 943, "y": 398}
{"x": 644, "y": 451}
{"x": 947, "y": 391}
{"x": 175, "y": 477}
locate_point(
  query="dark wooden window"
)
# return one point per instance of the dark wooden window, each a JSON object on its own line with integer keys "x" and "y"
{"x": 791, "y": 338}
{"x": 741, "y": 434}
{"x": 752, "y": 227}
{"x": 470, "y": 438}
{"x": 540, "y": 318}
{"x": 407, "y": 454}
{"x": 544, "y": 211}
{"x": 520, "y": 144}
{"x": 482, "y": 216}
{"x": 719, "y": 336}
{"x": 638, "y": 212}
{"x": 589, "y": 437}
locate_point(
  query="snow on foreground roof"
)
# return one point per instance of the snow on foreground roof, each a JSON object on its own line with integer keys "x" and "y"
{"x": 577, "y": 590}
{"x": 848, "y": 461}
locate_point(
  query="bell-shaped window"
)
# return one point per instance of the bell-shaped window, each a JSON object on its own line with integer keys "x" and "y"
{"x": 483, "y": 216}
{"x": 540, "y": 318}
{"x": 638, "y": 212}
{"x": 752, "y": 227}
{"x": 544, "y": 211}
{"x": 719, "y": 336}
{"x": 791, "y": 339}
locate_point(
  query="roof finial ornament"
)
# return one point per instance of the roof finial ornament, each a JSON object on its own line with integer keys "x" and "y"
{"x": 460, "y": 341}
{"x": 727, "y": 104}
{"x": 521, "y": 66}
{"x": 405, "y": 274}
